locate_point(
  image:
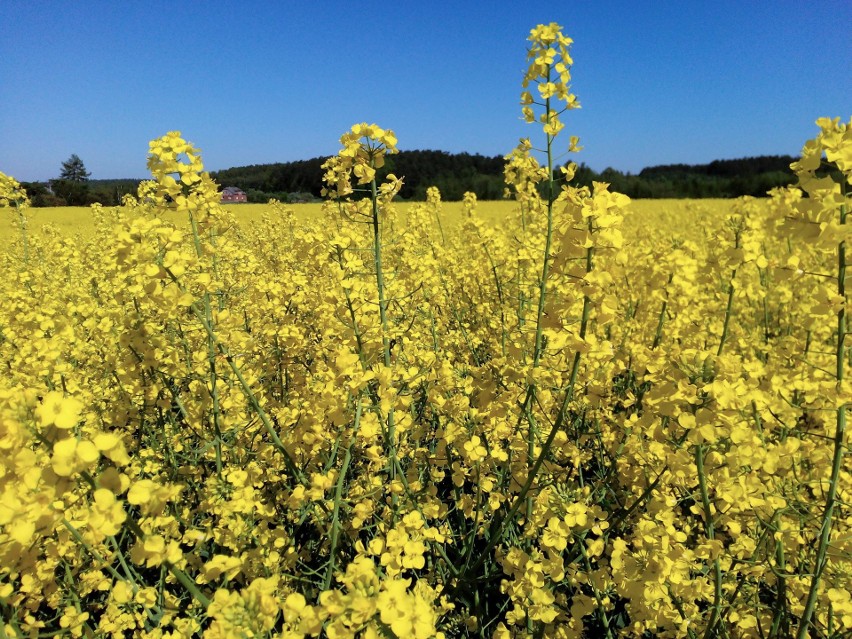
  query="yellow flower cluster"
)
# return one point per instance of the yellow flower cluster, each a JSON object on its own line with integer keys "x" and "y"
{"x": 363, "y": 152}
{"x": 573, "y": 423}
{"x": 11, "y": 192}
{"x": 179, "y": 181}
{"x": 550, "y": 71}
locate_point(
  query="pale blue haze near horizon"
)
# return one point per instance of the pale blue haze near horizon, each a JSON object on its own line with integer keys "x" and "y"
{"x": 251, "y": 83}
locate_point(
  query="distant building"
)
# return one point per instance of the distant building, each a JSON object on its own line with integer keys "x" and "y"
{"x": 233, "y": 194}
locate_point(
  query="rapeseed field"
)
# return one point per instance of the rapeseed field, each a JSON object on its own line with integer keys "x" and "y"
{"x": 562, "y": 415}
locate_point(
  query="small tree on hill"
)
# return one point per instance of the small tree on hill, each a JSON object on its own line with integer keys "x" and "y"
{"x": 74, "y": 170}
{"x": 72, "y": 185}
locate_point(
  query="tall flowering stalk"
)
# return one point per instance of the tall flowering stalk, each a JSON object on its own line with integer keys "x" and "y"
{"x": 363, "y": 152}
{"x": 364, "y": 149}
{"x": 828, "y": 206}
{"x": 181, "y": 183}
{"x": 549, "y": 71}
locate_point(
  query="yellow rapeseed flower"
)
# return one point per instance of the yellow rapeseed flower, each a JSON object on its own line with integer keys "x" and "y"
{"x": 57, "y": 409}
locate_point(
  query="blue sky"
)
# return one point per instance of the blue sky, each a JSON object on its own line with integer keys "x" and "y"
{"x": 249, "y": 83}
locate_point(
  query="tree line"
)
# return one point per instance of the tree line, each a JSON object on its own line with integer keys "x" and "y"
{"x": 60, "y": 193}
{"x": 452, "y": 173}
{"x": 719, "y": 179}
{"x": 74, "y": 188}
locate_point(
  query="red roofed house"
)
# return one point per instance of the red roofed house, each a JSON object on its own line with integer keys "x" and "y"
{"x": 233, "y": 194}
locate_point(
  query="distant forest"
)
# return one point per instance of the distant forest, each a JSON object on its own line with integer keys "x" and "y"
{"x": 83, "y": 193}
{"x": 452, "y": 173}
{"x": 455, "y": 173}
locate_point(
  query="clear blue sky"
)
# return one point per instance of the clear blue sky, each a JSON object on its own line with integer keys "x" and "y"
{"x": 255, "y": 82}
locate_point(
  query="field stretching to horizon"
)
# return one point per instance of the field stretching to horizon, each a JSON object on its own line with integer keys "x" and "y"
{"x": 69, "y": 221}
{"x": 563, "y": 415}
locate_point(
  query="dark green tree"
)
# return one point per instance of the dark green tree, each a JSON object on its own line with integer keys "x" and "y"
{"x": 72, "y": 184}
{"x": 74, "y": 170}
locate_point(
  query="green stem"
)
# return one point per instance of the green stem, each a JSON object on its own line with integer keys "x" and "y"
{"x": 730, "y": 302}
{"x": 494, "y": 536}
{"x": 728, "y": 314}
{"x": 380, "y": 279}
{"x": 764, "y": 284}
{"x": 820, "y": 561}
{"x": 440, "y": 226}
{"x": 211, "y": 356}
{"x": 94, "y": 553}
{"x": 499, "y": 299}
{"x": 478, "y": 502}
{"x": 708, "y": 516}
{"x": 23, "y": 222}
{"x": 248, "y": 393}
{"x": 522, "y": 302}
{"x": 338, "y": 497}
{"x": 780, "y": 623}
{"x": 214, "y": 391}
{"x": 188, "y": 583}
{"x": 545, "y": 266}
{"x": 601, "y": 608}
{"x": 351, "y": 308}
{"x": 380, "y": 285}
{"x": 177, "y": 573}
{"x": 658, "y": 335}
{"x": 542, "y": 300}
